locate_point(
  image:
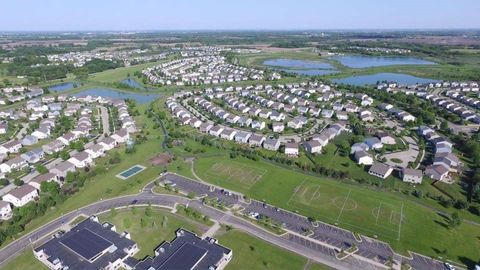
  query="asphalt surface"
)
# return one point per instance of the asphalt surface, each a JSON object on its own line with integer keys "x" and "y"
{"x": 322, "y": 245}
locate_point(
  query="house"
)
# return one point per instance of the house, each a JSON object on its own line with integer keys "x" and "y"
{"x": 120, "y": 136}
{"x": 228, "y": 134}
{"x": 436, "y": 172}
{"x": 278, "y": 127}
{"x": 3, "y": 127}
{"x": 108, "y": 143}
{"x": 321, "y": 138}
{"x": 5, "y": 210}
{"x": 67, "y": 138}
{"x": 20, "y": 196}
{"x": 258, "y": 124}
{"x": 41, "y": 133}
{"x": 291, "y": 149}
{"x": 327, "y": 113}
{"x": 29, "y": 140}
{"x": 81, "y": 159}
{"x": 386, "y": 138}
{"x": 37, "y": 181}
{"x": 53, "y": 147}
{"x": 448, "y": 160}
{"x": 380, "y": 170}
{"x": 11, "y": 147}
{"x": 256, "y": 140}
{"x": 373, "y": 143}
{"x": 95, "y": 151}
{"x": 363, "y": 158}
{"x": 242, "y": 136}
{"x": 14, "y": 164}
{"x": 272, "y": 144}
{"x": 33, "y": 156}
{"x": 342, "y": 115}
{"x": 62, "y": 168}
{"x": 215, "y": 131}
{"x": 411, "y": 175}
{"x": 205, "y": 127}
{"x": 313, "y": 146}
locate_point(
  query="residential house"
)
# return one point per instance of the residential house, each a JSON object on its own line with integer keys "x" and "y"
{"x": 20, "y": 196}
{"x": 37, "y": 181}
{"x": 313, "y": 146}
{"x": 411, "y": 175}
{"x": 363, "y": 158}
{"x": 380, "y": 170}
{"x": 6, "y": 212}
{"x": 81, "y": 159}
{"x": 62, "y": 168}
{"x": 272, "y": 144}
{"x": 256, "y": 140}
{"x": 291, "y": 149}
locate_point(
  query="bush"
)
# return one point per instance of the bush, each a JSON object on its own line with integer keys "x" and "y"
{"x": 18, "y": 182}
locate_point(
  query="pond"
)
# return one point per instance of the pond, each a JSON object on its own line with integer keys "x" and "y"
{"x": 302, "y": 67}
{"x": 379, "y": 77}
{"x": 132, "y": 83}
{"x": 366, "y": 61}
{"x": 111, "y": 93}
{"x": 62, "y": 87}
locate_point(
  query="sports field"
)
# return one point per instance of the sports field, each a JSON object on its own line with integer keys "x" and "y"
{"x": 235, "y": 173}
{"x": 345, "y": 206}
{"x": 403, "y": 223}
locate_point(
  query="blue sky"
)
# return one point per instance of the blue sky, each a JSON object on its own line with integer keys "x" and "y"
{"x": 25, "y": 15}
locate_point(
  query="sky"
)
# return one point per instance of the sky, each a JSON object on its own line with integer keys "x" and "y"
{"x": 125, "y": 15}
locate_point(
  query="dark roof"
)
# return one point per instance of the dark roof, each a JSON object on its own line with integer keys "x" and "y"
{"x": 86, "y": 243}
{"x": 186, "y": 251}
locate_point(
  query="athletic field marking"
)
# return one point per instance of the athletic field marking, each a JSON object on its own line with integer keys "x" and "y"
{"x": 314, "y": 196}
{"x": 400, "y": 223}
{"x": 378, "y": 213}
{"x": 237, "y": 173}
{"x": 344, "y": 203}
{"x": 297, "y": 188}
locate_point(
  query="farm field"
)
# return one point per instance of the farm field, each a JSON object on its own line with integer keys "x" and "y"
{"x": 402, "y": 223}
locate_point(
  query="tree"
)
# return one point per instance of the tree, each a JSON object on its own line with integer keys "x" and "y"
{"x": 454, "y": 221}
{"x": 18, "y": 182}
{"x": 64, "y": 155}
{"x": 41, "y": 169}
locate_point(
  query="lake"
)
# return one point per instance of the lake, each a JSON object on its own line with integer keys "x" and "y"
{"x": 111, "y": 93}
{"x": 391, "y": 77}
{"x": 62, "y": 87}
{"x": 302, "y": 67}
{"x": 365, "y": 61}
{"x": 132, "y": 83}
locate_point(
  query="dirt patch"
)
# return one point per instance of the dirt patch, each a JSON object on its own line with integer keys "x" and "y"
{"x": 161, "y": 159}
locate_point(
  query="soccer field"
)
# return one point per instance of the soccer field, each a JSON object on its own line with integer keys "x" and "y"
{"x": 350, "y": 208}
{"x": 235, "y": 173}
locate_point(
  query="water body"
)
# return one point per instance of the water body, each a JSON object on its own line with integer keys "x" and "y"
{"x": 366, "y": 61}
{"x": 111, "y": 93}
{"x": 302, "y": 67}
{"x": 62, "y": 87}
{"x": 379, "y": 77}
{"x": 132, "y": 83}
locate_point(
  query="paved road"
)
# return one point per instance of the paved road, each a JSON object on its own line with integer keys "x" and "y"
{"x": 409, "y": 155}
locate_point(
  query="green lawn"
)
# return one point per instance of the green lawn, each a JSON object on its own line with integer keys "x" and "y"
{"x": 254, "y": 254}
{"x": 158, "y": 227}
{"x": 366, "y": 211}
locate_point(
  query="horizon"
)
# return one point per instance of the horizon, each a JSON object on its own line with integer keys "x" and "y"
{"x": 247, "y": 15}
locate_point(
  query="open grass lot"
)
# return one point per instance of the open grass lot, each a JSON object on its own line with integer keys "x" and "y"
{"x": 402, "y": 223}
{"x": 158, "y": 227}
{"x": 252, "y": 253}
{"x": 118, "y": 74}
{"x": 236, "y": 173}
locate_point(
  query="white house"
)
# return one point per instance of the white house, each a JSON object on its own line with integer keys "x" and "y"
{"x": 411, "y": 175}
{"x": 291, "y": 149}
{"x": 363, "y": 158}
{"x": 21, "y": 195}
{"x": 81, "y": 159}
{"x": 313, "y": 146}
{"x": 121, "y": 136}
{"x": 108, "y": 143}
{"x": 380, "y": 170}
{"x": 5, "y": 210}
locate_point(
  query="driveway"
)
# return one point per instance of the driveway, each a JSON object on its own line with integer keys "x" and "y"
{"x": 407, "y": 156}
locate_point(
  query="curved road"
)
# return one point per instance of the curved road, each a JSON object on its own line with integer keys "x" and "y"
{"x": 163, "y": 200}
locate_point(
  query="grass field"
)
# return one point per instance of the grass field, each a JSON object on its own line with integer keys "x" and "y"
{"x": 254, "y": 254}
{"x": 404, "y": 224}
{"x": 235, "y": 173}
{"x": 159, "y": 227}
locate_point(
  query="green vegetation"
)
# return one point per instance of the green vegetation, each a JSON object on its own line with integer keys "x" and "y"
{"x": 252, "y": 253}
{"x": 150, "y": 229}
